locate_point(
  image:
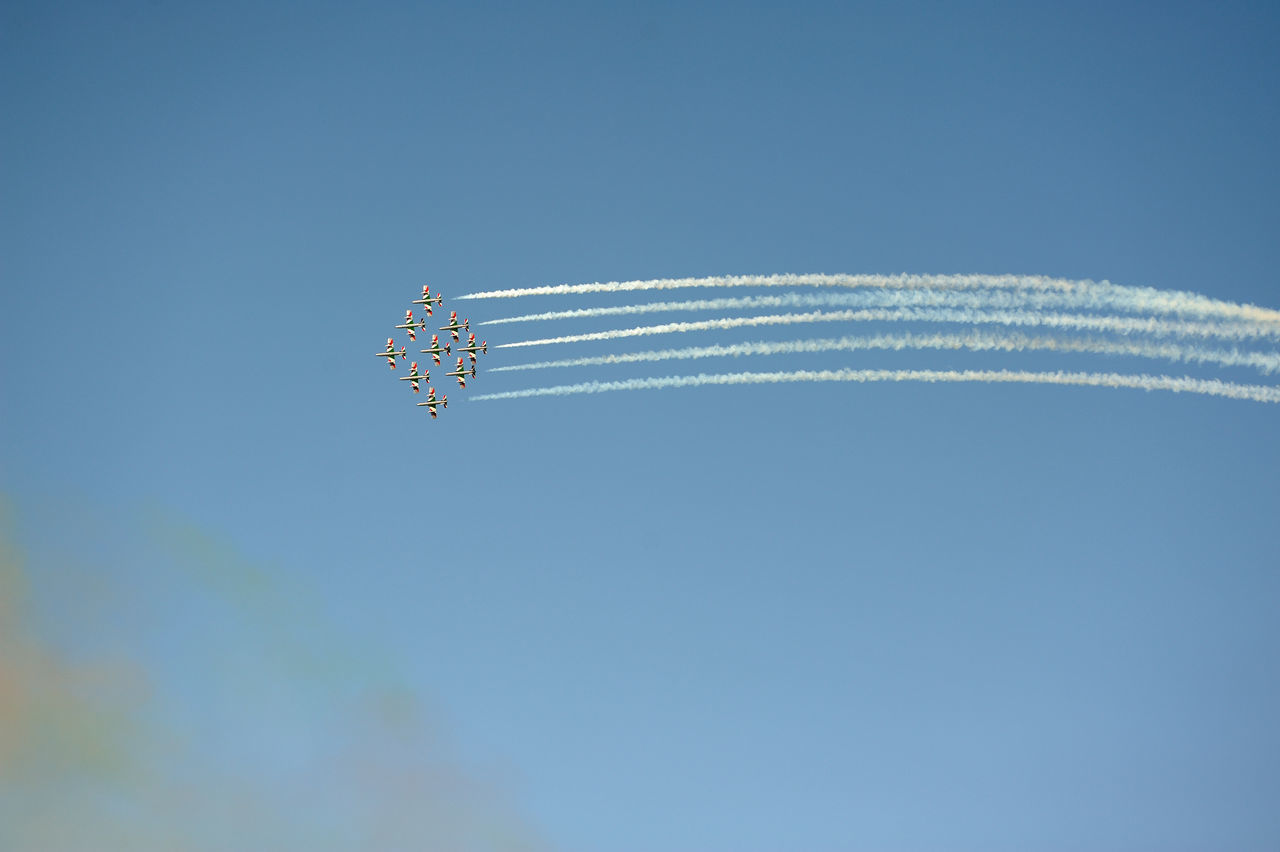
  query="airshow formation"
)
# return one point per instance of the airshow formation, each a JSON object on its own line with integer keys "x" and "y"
{"x": 1008, "y": 317}
{"x": 411, "y": 326}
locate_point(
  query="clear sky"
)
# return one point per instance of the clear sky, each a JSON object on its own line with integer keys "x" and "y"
{"x": 251, "y": 597}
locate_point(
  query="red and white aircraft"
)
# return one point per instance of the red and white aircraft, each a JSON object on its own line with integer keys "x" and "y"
{"x": 471, "y": 347}
{"x": 391, "y": 353}
{"x": 414, "y": 376}
{"x": 411, "y": 325}
{"x": 460, "y": 372}
{"x": 427, "y": 299}
{"x": 453, "y": 325}
{"x": 435, "y": 349}
{"x": 432, "y": 402}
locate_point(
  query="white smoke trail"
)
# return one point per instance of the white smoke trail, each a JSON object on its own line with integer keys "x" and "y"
{"x": 1139, "y": 299}
{"x": 972, "y": 300}
{"x": 1080, "y": 322}
{"x": 1264, "y": 362}
{"x": 1184, "y": 384}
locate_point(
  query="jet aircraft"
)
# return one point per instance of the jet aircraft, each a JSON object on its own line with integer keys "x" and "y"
{"x": 411, "y": 325}
{"x": 427, "y": 299}
{"x": 391, "y": 353}
{"x": 432, "y": 402}
{"x": 414, "y": 376}
{"x": 471, "y": 348}
{"x": 435, "y": 349}
{"x": 460, "y": 372}
{"x": 453, "y": 325}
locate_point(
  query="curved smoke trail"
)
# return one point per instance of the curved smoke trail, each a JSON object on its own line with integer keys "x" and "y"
{"x": 1264, "y": 362}
{"x": 970, "y": 299}
{"x": 1080, "y": 322}
{"x": 1106, "y": 294}
{"x": 1184, "y": 384}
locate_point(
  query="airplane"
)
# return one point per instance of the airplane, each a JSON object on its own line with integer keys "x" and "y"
{"x": 432, "y": 402}
{"x": 435, "y": 349}
{"x": 461, "y": 373}
{"x": 453, "y": 325}
{"x": 411, "y": 325}
{"x": 426, "y": 299}
{"x": 471, "y": 347}
{"x": 391, "y": 353}
{"x": 414, "y": 376}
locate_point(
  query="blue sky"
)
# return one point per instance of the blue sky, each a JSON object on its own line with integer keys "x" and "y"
{"x": 799, "y": 616}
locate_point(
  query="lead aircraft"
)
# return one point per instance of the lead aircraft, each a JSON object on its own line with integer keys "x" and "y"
{"x": 432, "y": 402}
{"x": 427, "y": 299}
{"x": 411, "y": 325}
{"x": 414, "y": 376}
{"x": 435, "y": 349}
{"x": 460, "y": 372}
{"x": 453, "y": 325}
{"x": 471, "y": 348}
{"x": 391, "y": 353}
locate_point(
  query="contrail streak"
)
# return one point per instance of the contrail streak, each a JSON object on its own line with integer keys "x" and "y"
{"x": 1184, "y": 384}
{"x": 1113, "y": 295}
{"x": 1082, "y": 322}
{"x": 973, "y": 300}
{"x": 1264, "y": 362}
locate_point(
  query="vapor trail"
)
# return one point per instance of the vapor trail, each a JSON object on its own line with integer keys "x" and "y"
{"x": 1081, "y": 322}
{"x": 1184, "y": 384}
{"x": 1265, "y": 362}
{"x": 1139, "y": 299}
{"x": 972, "y": 300}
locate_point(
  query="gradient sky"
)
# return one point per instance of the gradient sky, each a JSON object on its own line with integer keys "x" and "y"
{"x": 248, "y": 584}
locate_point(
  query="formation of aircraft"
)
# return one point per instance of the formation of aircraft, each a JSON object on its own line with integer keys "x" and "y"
{"x": 435, "y": 350}
{"x": 453, "y": 325}
{"x": 471, "y": 348}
